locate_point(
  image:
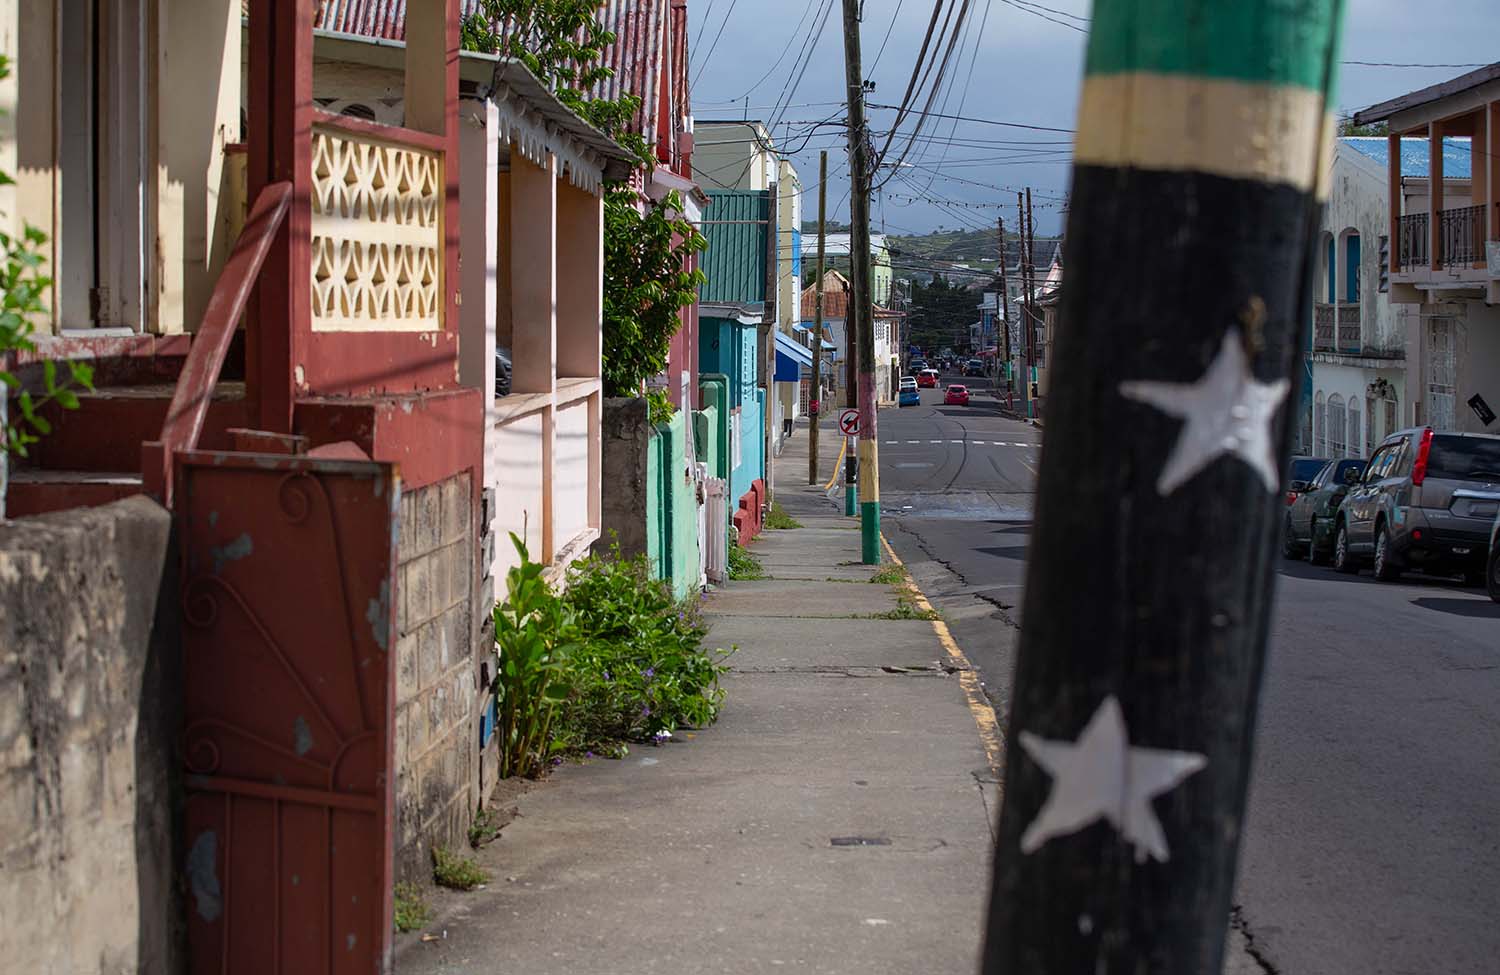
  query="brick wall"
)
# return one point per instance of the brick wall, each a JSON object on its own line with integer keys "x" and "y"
{"x": 437, "y": 674}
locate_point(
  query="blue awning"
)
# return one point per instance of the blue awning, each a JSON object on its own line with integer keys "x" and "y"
{"x": 796, "y": 327}
{"x": 791, "y": 359}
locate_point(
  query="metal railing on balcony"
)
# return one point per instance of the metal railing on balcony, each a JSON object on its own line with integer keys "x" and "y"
{"x": 1461, "y": 235}
{"x": 1412, "y": 248}
{"x": 1337, "y": 327}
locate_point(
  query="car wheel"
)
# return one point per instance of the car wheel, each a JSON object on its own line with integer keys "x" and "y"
{"x": 1384, "y": 569}
{"x": 1492, "y": 576}
{"x": 1343, "y": 561}
{"x": 1289, "y": 549}
{"x": 1315, "y": 553}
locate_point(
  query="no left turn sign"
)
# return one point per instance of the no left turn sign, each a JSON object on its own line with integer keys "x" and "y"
{"x": 849, "y": 422}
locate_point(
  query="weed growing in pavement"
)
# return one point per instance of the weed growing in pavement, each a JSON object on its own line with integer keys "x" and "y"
{"x": 744, "y": 567}
{"x": 906, "y": 610}
{"x": 533, "y": 637}
{"x": 456, "y": 871}
{"x": 777, "y": 518}
{"x": 889, "y": 575}
{"x": 485, "y": 828}
{"x": 411, "y": 908}
{"x": 639, "y": 671}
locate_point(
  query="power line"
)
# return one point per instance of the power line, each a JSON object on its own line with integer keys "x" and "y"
{"x": 894, "y": 17}
{"x": 1399, "y": 64}
{"x": 708, "y": 58}
{"x": 796, "y": 32}
{"x": 986, "y": 121}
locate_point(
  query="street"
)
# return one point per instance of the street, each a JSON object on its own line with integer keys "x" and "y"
{"x": 1372, "y": 843}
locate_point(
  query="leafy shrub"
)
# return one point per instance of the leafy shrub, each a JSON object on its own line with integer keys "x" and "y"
{"x": 638, "y": 670}
{"x": 533, "y": 630}
{"x": 455, "y": 871}
{"x": 743, "y": 566}
{"x": 411, "y": 908}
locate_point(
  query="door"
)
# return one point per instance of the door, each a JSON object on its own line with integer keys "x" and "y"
{"x": 288, "y": 638}
{"x": 1360, "y": 505}
{"x": 1302, "y": 508}
{"x": 1441, "y": 374}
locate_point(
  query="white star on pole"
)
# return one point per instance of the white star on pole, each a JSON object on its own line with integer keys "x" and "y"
{"x": 1228, "y": 411}
{"x": 1103, "y": 776}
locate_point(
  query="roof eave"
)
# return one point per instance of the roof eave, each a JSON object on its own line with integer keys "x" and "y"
{"x": 1428, "y": 95}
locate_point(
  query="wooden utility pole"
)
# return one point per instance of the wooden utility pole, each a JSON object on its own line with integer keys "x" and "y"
{"x": 817, "y": 365}
{"x": 1129, "y": 746}
{"x": 861, "y": 313}
{"x": 1021, "y": 340}
{"x": 1030, "y": 306}
{"x": 1005, "y": 317}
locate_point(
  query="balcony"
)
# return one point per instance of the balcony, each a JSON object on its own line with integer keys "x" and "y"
{"x": 1461, "y": 235}
{"x": 1336, "y": 327}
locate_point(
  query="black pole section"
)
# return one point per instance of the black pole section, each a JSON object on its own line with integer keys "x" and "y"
{"x": 1203, "y": 136}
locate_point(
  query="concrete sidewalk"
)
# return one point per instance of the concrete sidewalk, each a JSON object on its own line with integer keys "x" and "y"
{"x": 836, "y": 819}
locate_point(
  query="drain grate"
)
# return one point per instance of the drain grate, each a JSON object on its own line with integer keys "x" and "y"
{"x": 859, "y": 841}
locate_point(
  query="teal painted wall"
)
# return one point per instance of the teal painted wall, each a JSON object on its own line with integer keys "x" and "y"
{"x": 715, "y": 398}
{"x": 752, "y": 464}
{"x": 706, "y": 439}
{"x": 672, "y": 509}
{"x": 735, "y": 262}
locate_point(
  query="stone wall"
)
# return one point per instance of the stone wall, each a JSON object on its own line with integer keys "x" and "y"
{"x": 437, "y": 760}
{"x": 627, "y": 488}
{"x": 90, "y": 693}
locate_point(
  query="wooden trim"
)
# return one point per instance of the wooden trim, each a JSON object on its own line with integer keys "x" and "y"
{"x": 1435, "y": 195}
{"x": 570, "y": 391}
{"x": 1393, "y": 175}
{"x": 394, "y": 134}
{"x": 1492, "y": 134}
{"x": 508, "y": 409}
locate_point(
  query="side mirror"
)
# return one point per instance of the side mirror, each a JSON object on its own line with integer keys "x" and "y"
{"x": 1297, "y": 487}
{"x": 1352, "y": 475}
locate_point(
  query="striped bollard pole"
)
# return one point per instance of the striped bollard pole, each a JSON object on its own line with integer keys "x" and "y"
{"x": 1203, "y": 139}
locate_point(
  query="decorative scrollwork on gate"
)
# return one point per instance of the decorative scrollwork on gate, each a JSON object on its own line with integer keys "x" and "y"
{"x": 376, "y": 234}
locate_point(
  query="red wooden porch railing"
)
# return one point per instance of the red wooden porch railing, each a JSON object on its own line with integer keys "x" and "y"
{"x": 226, "y": 306}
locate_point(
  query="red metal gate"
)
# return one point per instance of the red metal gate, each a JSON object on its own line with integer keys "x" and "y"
{"x": 288, "y": 570}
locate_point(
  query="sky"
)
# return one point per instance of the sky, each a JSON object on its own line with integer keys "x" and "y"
{"x": 747, "y": 61}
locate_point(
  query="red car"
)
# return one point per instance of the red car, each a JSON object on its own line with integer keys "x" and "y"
{"x": 956, "y": 396}
{"x": 927, "y": 379}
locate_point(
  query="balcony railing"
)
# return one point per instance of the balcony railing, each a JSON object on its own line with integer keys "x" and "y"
{"x": 1336, "y": 328}
{"x": 1412, "y": 249}
{"x": 1461, "y": 234}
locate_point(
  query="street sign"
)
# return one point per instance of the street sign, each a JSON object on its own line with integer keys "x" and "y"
{"x": 849, "y": 422}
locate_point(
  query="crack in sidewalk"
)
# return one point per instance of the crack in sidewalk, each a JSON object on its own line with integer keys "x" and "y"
{"x": 1238, "y": 923}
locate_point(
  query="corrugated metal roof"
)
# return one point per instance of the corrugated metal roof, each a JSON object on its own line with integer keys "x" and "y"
{"x": 1457, "y": 155}
{"x": 735, "y": 262}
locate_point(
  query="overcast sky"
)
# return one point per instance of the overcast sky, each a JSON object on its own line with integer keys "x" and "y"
{"x": 1027, "y": 71}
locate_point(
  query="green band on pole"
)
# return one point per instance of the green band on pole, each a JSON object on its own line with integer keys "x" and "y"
{"x": 851, "y": 499}
{"x": 1241, "y": 40}
{"x": 869, "y": 532}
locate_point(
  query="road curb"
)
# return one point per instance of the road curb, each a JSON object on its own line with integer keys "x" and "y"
{"x": 985, "y": 719}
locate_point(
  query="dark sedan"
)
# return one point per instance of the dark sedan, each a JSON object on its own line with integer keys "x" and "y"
{"x": 1308, "y": 527}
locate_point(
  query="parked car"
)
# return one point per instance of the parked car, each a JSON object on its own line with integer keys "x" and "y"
{"x": 1308, "y": 525}
{"x": 1299, "y": 474}
{"x": 974, "y": 367}
{"x": 908, "y": 394}
{"x": 927, "y": 379}
{"x": 1427, "y": 501}
{"x": 919, "y": 366}
{"x": 502, "y": 372}
{"x": 956, "y": 396}
{"x": 1492, "y": 571}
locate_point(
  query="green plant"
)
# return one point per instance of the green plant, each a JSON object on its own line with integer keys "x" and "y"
{"x": 777, "y": 518}
{"x": 22, "y": 290}
{"x": 640, "y": 671}
{"x": 648, "y": 274}
{"x": 533, "y": 637}
{"x": 889, "y": 575}
{"x": 485, "y": 828}
{"x": 744, "y": 567}
{"x": 659, "y": 408}
{"x": 905, "y": 610}
{"x": 411, "y": 908}
{"x": 455, "y": 871}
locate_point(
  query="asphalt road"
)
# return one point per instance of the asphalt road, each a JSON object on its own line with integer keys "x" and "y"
{"x": 1373, "y": 838}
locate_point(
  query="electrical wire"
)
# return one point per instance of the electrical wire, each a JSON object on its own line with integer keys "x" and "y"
{"x": 708, "y": 58}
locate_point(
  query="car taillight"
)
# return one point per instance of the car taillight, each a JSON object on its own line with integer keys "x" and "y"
{"x": 1291, "y": 498}
{"x": 1419, "y": 469}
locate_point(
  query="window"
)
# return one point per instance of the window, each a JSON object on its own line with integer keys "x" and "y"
{"x": 1330, "y": 273}
{"x": 1440, "y": 374}
{"x": 1320, "y": 426}
{"x": 1336, "y": 442}
{"x": 1463, "y": 457}
{"x": 1385, "y": 264}
{"x": 1356, "y": 443}
{"x": 1370, "y": 426}
{"x": 1351, "y": 267}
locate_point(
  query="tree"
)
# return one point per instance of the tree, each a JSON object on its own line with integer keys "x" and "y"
{"x": 647, "y": 246}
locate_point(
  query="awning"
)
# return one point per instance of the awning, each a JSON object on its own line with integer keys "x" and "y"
{"x": 791, "y": 358}
{"x": 796, "y": 327}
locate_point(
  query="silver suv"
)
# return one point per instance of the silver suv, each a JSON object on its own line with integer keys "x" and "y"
{"x": 1428, "y": 501}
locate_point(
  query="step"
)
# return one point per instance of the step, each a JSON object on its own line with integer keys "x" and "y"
{"x": 105, "y": 433}
{"x": 33, "y": 491}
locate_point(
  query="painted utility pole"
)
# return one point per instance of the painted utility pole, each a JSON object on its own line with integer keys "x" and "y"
{"x": 1022, "y": 341}
{"x": 1030, "y": 308}
{"x": 1005, "y": 318}
{"x": 817, "y": 366}
{"x": 770, "y": 325}
{"x": 861, "y": 313}
{"x": 1203, "y": 134}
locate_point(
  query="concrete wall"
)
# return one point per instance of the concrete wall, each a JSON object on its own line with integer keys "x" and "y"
{"x": 627, "y": 446}
{"x": 90, "y": 692}
{"x": 677, "y": 557}
{"x": 651, "y": 503}
{"x": 437, "y": 668}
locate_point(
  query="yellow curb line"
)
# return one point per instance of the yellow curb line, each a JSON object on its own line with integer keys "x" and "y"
{"x": 968, "y": 678}
{"x": 843, "y": 446}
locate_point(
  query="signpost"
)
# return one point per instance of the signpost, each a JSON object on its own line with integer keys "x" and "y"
{"x": 849, "y": 423}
